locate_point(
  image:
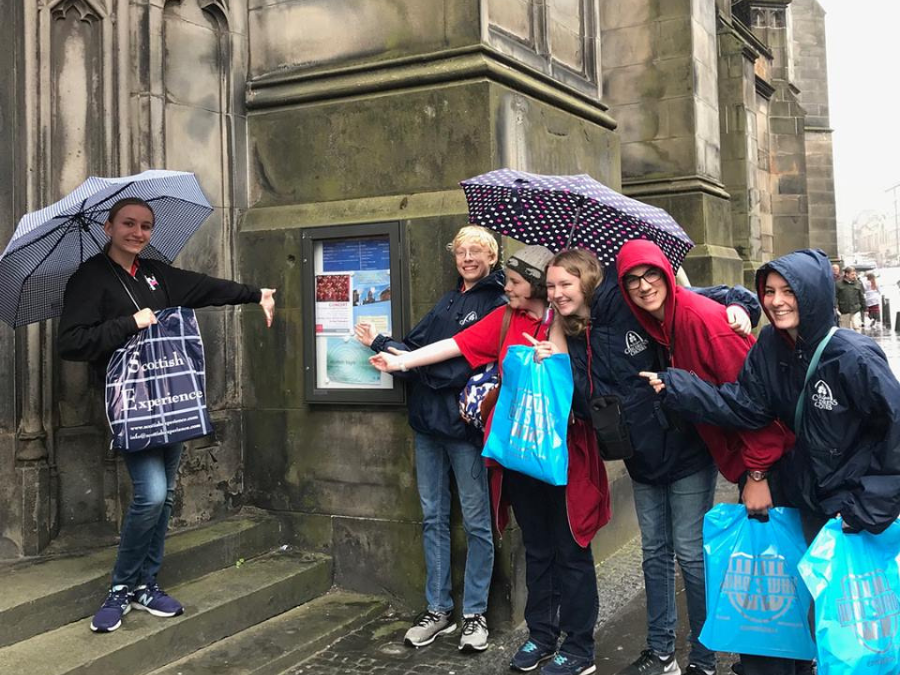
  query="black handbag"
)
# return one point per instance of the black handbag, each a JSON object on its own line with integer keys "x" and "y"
{"x": 613, "y": 439}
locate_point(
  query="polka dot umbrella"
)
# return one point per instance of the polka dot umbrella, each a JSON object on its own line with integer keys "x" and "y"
{"x": 570, "y": 212}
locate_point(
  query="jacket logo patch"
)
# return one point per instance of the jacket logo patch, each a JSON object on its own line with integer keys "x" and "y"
{"x": 468, "y": 318}
{"x": 823, "y": 399}
{"x": 634, "y": 343}
{"x": 152, "y": 282}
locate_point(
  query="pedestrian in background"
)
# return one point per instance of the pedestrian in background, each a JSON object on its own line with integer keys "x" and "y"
{"x": 446, "y": 445}
{"x": 873, "y": 299}
{"x": 557, "y": 522}
{"x": 851, "y": 299}
{"x": 843, "y": 412}
{"x": 98, "y": 317}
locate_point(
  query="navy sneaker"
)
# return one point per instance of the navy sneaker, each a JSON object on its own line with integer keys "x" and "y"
{"x": 151, "y": 598}
{"x": 116, "y": 605}
{"x": 529, "y": 656}
{"x": 568, "y": 665}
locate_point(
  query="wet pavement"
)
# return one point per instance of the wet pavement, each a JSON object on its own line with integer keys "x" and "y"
{"x": 621, "y": 629}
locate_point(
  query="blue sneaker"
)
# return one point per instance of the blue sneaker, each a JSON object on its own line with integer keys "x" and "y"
{"x": 116, "y": 605}
{"x": 151, "y": 598}
{"x": 529, "y": 656}
{"x": 568, "y": 665}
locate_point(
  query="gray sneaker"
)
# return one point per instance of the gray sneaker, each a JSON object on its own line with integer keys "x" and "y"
{"x": 474, "y": 636}
{"x": 427, "y": 626}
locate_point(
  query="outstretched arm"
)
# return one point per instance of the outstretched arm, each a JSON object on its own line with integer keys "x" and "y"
{"x": 394, "y": 359}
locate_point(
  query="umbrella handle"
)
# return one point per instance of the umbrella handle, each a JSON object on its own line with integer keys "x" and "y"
{"x": 575, "y": 221}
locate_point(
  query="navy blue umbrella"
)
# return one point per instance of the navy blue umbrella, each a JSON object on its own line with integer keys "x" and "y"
{"x": 49, "y": 245}
{"x": 570, "y": 212}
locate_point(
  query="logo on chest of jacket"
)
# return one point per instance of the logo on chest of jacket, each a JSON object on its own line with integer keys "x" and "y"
{"x": 823, "y": 398}
{"x": 151, "y": 282}
{"x": 634, "y": 343}
{"x": 468, "y": 318}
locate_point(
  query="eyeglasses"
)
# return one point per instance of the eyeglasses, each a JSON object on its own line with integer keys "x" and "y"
{"x": 651, "y": 276}
{"x": 473, "y": 252}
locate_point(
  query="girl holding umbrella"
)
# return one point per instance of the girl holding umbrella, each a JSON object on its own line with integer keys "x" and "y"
{"x": 98, "y": 317}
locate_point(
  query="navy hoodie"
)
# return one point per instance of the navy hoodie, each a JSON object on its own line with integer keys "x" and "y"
{"x": 847, "y": 454}
{"x": 433, "y": 393}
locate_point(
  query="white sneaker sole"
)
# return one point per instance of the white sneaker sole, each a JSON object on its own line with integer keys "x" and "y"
{"x": 156, "y": 612}
{"x": 446, "y": 631}
{"x": 94, "y": 629}
{"x": 535, "y": 666}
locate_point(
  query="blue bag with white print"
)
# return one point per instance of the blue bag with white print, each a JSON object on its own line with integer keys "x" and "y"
{"x": 756, "y": 602}
{"x": 530, "y": 422}
{"x": 855, "y": 581}
{"x": 156, "y": 384}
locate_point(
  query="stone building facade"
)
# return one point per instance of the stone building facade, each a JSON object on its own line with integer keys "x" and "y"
{"x": 297, "y": 114}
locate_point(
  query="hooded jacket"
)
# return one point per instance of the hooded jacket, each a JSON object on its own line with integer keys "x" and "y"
{"x": 696, "y": 335}
{"x": 665, "y": 449}
{"x": 847, "y": 454}
{"x": 434, "y": 390}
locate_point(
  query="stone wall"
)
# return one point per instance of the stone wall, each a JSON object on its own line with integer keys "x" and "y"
{"x": 351, "y": 145}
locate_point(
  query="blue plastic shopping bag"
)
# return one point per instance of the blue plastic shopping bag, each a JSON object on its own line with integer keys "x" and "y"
{"x": 855, "y": 581}
{"x": 756, "y": 602}
{"x": 156, "y": 384}
{"x": 528, "y": 430}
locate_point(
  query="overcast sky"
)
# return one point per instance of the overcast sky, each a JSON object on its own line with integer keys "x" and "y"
{"x": 864, "y": 93}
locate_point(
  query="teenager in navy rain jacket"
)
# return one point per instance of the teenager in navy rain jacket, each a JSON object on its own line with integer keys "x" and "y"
{"x": 672, "y": 469}
{"x": 445, "y": 444}
{"x": 847, "y": 454}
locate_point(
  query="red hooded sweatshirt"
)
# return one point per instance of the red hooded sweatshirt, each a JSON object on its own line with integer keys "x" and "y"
{"x": 698, "y": 337}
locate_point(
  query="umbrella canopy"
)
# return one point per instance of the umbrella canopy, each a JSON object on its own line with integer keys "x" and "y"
{"x": 49, "y": 245}
{"x": 570, "y": 211}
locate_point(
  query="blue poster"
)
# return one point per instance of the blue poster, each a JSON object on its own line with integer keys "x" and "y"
{"x": 354, "y": 255}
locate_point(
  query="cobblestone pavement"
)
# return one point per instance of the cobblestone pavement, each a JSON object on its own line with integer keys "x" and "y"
{"x": 378, "y": 648}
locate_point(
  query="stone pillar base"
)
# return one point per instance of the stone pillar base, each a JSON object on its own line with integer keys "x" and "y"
{"x": 34, "y": 486}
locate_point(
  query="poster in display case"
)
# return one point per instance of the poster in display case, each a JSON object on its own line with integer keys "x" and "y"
{"x": 351, "y": 275}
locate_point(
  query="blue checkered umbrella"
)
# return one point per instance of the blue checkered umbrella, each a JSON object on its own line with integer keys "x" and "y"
{"x": 49, "y": 245}
{"x": 568, "y": 212}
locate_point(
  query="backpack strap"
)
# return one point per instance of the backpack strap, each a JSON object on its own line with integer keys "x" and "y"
{"x": 504, "y": 329}
{"x": 798, "y": 413}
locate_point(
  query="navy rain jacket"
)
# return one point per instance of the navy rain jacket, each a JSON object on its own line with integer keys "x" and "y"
{"x": 433, "y": 391}
{"x": 666, "y": 449}
{"x": 847, "y": 454}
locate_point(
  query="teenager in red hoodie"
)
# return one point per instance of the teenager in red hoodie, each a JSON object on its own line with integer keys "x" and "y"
{"x": 695, "y": 333}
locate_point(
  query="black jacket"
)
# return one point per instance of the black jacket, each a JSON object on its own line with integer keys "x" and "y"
{"x": 97, "y": 316}
{"x": 847, "y": 454}
{"x": 433, "y": 391}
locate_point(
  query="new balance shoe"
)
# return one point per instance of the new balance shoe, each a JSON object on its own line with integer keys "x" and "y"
{"x": 428, "y": 626}
{"x": 651, "y": 663}
{"x": 529, "y": 656}
{"x": 568, "y": 665}
{"x": 116, "y": 605}
{"x": 151, "y": 598}
{"x": 474, "y": 636}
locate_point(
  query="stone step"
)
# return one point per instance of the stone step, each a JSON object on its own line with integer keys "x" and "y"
{"x": 285, "y": 641}
{"x": 41, "y": 594}
{"x": 218, "y": 605}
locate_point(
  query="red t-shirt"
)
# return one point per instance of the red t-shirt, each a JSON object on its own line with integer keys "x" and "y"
{"x": 478, "y": 343}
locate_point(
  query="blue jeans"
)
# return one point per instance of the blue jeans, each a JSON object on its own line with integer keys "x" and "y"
{"x": 671, "y": 522}
{"x": 142, "y": 541}
{"x": 436, "y": 457}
